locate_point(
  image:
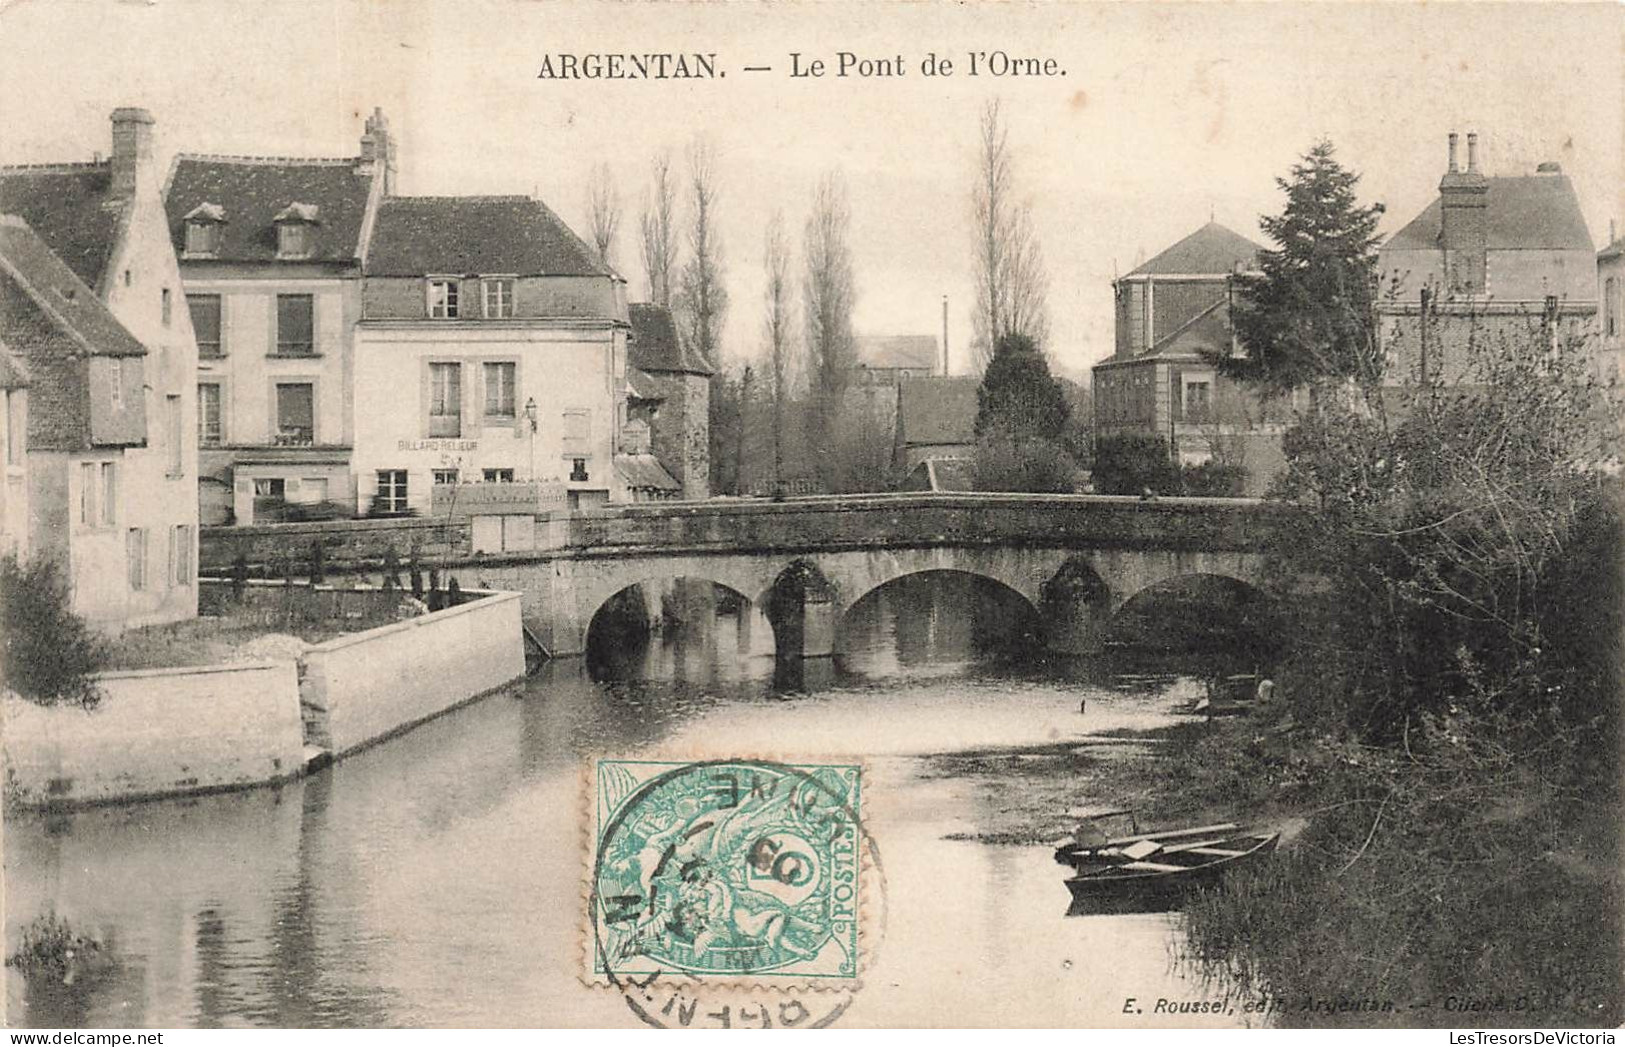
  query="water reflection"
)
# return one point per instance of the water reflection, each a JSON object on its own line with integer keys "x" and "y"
{"x": 435, "y": 880}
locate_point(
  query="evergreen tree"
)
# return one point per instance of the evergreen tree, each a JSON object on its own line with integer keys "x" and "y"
{"x": 1018, "y": 395}
{"x": 1309, "y": 315}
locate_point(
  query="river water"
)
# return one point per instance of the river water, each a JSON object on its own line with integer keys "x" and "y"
{"x": 437, "y": 879}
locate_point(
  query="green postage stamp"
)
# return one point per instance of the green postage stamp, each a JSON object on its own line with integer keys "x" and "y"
{"x": 726, "y": 870}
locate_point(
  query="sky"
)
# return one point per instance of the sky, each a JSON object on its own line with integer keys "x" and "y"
{"x": 1166, "y": 115}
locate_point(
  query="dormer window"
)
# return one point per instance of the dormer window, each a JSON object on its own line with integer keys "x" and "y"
{"x": 443, "y": 303}
{"x": 296, "y": 230}
{"x": 203, "y": 224}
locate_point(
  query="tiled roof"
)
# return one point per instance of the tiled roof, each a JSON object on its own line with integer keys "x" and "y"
{"x": 640, "y": 385}
{"x": 1527, "y": 212}
{"x": 655, "y": 345}
{"x": 1613, "y": 250}
{"x": 417, "y": 235}
{"x": 252, "y": 192}
{"x": 67, "y": 205}
{"x": 52, "y": 321}
{"x": 643, "y": 472}
{"x": 1211, "y": 249}
{"x": 918, "y": 351}
{"x": 937, "y": 410}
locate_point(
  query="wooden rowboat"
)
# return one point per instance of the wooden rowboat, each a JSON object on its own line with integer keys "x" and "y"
{"x": 1156, "y": 871}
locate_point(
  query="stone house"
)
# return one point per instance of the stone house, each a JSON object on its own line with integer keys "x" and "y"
{"x": 271, "y": 250}
{"x": 95, "y": 314}
{"x": 671, "y": 385}
{"x": 1488, "y": 258}
{"x": 1611, "y": 309}
{"x": 936, "y": 420}
{"x": 491, "y": 348}
{"x": 1170, "y": 311}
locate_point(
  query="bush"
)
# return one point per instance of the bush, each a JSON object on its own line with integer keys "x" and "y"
{"x": 1133, "y": 464}
{"x": 1005, "y": 462}
{"x": 1212, "y": 479}
{"x": 49, "y": 948}
{"x": 51, "y": 654}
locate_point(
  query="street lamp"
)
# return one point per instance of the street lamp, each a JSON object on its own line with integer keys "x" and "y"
{"x": 530, "y": 416}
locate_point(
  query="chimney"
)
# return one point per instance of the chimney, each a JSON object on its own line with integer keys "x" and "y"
{"x": 1463, "y": 226}
{"x": 132, "y": 151}
{"x": 945, "y": 333}
{"x": 377, "y": 151}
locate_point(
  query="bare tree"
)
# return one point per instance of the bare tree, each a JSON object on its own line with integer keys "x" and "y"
{"x": 703, "y": 300}
{"x": 603, "y": 211}
{"x": 1011, "y": 286}
{"x": 828, "y": 297}
{"x": 657, "y": 226}
{"x": 776, "y": 324}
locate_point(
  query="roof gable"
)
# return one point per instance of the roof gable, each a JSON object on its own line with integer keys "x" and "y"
{"x": 419, "y": 235}
{"x": 1522, "y": 213}
{"x": 655, "y": 346}
{"x": 897, "y": 350}
{"x": 1212, "y": 249}
{"x": 65, "y": 299}
{"x": 253, "y": 193}
{"x": 67, "y": 205}
{"x": 937, "y": 410}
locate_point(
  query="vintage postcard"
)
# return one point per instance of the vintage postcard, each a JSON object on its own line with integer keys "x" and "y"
{"x": 787, "y": 514}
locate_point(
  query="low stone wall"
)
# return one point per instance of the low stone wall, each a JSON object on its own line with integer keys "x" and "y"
{"x": 272, "y": 600}
{"x": 157, "y": 732}
{"x": 268, "y": 547}
{"x": 371, "y": 685}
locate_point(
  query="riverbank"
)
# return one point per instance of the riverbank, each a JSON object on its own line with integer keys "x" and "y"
{"x": 1463, "y": 887}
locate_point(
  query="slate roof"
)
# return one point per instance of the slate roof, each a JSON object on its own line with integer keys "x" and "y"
{"x": 252, "y": 191}
{"x": 641, "y": 386}
{"x": 644, "y": 472}
{"x": 655, "y": 345}
{"x": 518, "y": 235}
{"x": 937, "y": 410}
{"x": 915, "y": 351}
{"x": 1211, "y": 249}
{"x": 1613, "y": 250}
{"x": 67, "y": 205}
{"x": 1522, "y": 213}
{"x": 53, "y": 321}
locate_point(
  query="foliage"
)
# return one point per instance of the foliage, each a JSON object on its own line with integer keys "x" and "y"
{"x": 778, "y": 321}
{"x": 603, "y": 211}
{"x": 51, "y": 653}
{"x": 1308, "y": 315}
{"x": 49, "y": 948}
{"x": 702, "y": 297}
{"x": 1011, "y": 285}
{"x": 1010, "y": 462}
{"x": 1019, "y": 396}
{"x": 1134, "y": 463}
{"x": 726, "y": 408}
{"x": 828, "y": 296}
{"x": 657, "y": 229}
{"x": 1213, "y": 479}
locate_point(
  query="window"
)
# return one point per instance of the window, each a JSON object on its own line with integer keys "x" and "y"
{"x": 443, "y": 299}
{"x": 210, "y": 432}
{"x": 166, "y": 306}
{"x": 445, "y": 477}
{"x": 1197, "y": 400}
{"x": 295, "y": 414}
{"x": 173, "y": 433}
{"x": 109, "y": 493}
{"x": 16, "y": 432}
{"x": 498, "y": 295}
{"x": 135, "y": 555}
{"x": 1610, "y": 306}
{"x": 391, "y": 491}
{"x": 270, "y": 487}
{"x": 88, "y": 515}
{"x": 578, "y": 470}
{"x": 180, "y": 554}
{"x": 292, "y": 240}
{"x": 499, "y": 382}
{"x": 205, "y": 309}
{"x": 115, "y": 381}
{"x": 295, "y": 325}
{"x": 202, "y": 238}
{"x": 445, "y": 399}
{"x": 499, "y": 476}
{"x": 577, "y": 431}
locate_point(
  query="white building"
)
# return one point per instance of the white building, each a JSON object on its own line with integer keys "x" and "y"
{"x": 491, "y": 349}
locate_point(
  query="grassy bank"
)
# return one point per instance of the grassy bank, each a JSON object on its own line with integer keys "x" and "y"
{"x": 1474, "y": 886}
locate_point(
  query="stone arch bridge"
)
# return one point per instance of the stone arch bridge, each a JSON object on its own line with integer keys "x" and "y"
{"x": 1075, "y": 558}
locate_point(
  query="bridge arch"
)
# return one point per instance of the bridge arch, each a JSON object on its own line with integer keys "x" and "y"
{"x": 850, "y": 606}
{"x": 1212, "y": 605}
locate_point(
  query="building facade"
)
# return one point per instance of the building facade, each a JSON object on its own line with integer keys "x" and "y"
{"x": 1490, "y": 258}
{"x": 97, "y": 316}
{"x": 271, "y": 250}
{"x": 491, "y": 348}
{"x": 676, "y": 384}
{"x": 1171, "y": 312}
